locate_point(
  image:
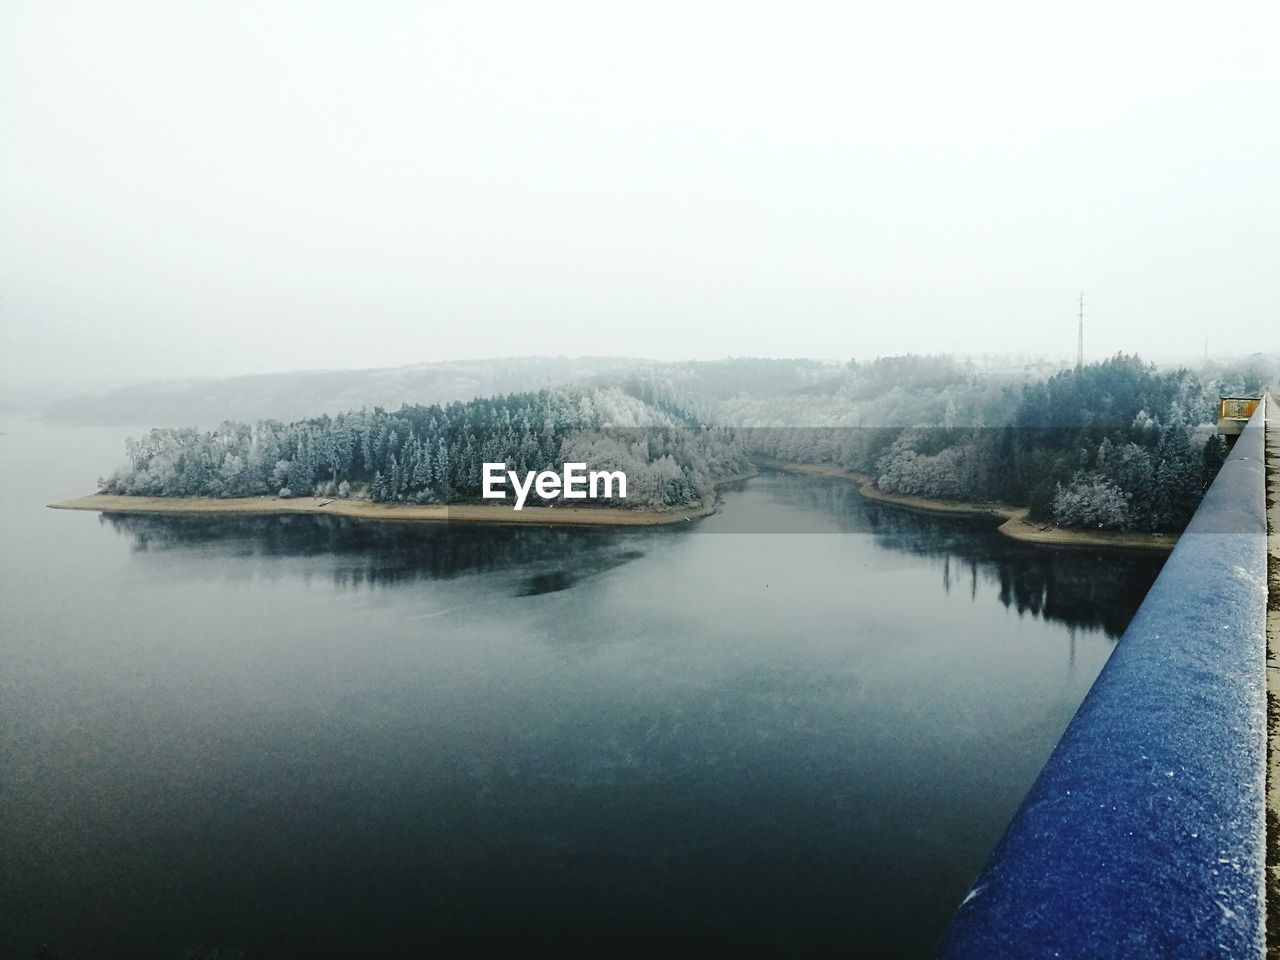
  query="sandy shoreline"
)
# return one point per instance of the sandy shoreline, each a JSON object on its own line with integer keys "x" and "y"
{"x": 1016, "y": 522}
{"x": 400, "y": 512}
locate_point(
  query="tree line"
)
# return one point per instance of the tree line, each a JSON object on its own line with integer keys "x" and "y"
{"x": 1116, "y": 444}
{"x": 433, "y": 453}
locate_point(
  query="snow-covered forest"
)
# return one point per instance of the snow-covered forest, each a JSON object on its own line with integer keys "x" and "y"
{"x": 433, "y": 454}
{"x": 1114, "y": 445}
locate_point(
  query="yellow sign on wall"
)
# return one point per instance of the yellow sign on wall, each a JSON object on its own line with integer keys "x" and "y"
{"x": 1237, "y": 408}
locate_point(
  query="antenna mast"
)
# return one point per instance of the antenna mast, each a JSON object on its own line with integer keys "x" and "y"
{"x": 1080, "y": 335}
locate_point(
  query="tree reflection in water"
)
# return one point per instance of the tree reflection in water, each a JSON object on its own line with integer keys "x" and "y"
{"x": 364, "y": 553}
{"x": 1083, "y": 589}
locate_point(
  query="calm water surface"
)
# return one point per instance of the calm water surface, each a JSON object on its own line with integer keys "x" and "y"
{"x": 796, "y": 728}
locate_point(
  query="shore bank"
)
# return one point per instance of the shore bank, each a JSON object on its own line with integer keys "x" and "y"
{"x": 400, "y": 512}
{"x": 1016, "y": 523}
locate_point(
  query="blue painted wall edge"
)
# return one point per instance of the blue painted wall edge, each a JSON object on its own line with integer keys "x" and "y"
{"x": 1145, "y": 834}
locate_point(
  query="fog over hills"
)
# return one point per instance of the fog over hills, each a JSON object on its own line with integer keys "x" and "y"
{"x": 297, "y": 394}
{"x": 292, "y": 395}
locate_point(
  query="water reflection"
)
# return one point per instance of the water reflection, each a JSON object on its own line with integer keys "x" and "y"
{"x": 1084, "y": 590}
{"x": 782, "y": 745}
{"x": 361, "y": 553}
{"x": 1079, "y": 588}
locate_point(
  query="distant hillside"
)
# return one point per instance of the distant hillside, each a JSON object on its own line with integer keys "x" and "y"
{"x": 293, "y": 396}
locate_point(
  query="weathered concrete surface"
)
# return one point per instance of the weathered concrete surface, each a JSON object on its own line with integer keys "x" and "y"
{"x": 1273, "y": 678}
{"x": 1145, "y": 834}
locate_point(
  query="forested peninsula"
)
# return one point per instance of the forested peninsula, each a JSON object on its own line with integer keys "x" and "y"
{"x": 1117, "y": 448}
{"x": 432, "y": 455}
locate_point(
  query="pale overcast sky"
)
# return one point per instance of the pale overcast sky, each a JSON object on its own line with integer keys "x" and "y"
{"x": 224, "y": 188}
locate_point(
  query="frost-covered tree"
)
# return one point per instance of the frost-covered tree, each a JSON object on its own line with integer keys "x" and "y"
{"x": 1091, "y": 500}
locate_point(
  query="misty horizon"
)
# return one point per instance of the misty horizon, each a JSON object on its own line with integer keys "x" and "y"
{"x": 32, "y": 393}
{"x": 189, "y": 193}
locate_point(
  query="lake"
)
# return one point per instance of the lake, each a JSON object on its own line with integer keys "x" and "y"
{"x": 796, "y": 728}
